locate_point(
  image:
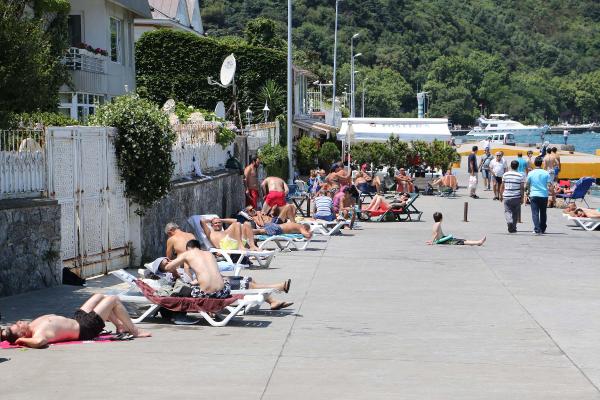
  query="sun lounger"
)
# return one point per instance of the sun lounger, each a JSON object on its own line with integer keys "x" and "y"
{"x": 581, "y": 188}
{"x": 142, "y": 293}
{"x": 402, "y": 214}
{"x": 588, "y": 224}
{"x": 284, "y": 242}
{"x": 263, "y": 258}
{"x": 327, "y": 228}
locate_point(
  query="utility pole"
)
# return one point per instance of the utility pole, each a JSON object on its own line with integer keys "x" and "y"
{"x": 337, "y": 2}
{"x": 290, "y": 78}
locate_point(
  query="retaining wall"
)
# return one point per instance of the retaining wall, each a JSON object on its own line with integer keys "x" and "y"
{"x": 29, "y": 245}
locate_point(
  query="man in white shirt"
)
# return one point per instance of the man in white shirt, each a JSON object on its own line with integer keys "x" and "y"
{"x": 498, "y": 167}
{"x": 566, "y": 135}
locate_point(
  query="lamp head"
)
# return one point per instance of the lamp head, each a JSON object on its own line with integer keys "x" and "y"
{"x": 355, "y": 35}
{"x": 357, "y": 55}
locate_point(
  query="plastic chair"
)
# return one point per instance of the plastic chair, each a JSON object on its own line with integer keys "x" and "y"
{"x": 581, "y": 188}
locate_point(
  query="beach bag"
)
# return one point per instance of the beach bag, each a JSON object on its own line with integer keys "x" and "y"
{"x": 472, "y": 182}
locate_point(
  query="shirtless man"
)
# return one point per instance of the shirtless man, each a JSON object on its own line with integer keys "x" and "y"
{"x": 550, "y": 165}
{"x": 438, "y": 236}
{"x": 177, "y": 240}
{"x": 275, "y": 226}
{"x": 86, "y": 324}
{"x": 347, "y": 206}
{"x": 275, "y": 190}
{"x": 365, "y": 183}
{"x": 235, "y": 237}
{"x": 208, "y": 281}
{"x": 251, "y": 182}
{"x": 557, "y": 160}
{"x": 404, "y": 182}
{"x": 575, "y": 211}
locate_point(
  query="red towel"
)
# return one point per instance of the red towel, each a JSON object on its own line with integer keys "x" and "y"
{"x": 187, "y": 304}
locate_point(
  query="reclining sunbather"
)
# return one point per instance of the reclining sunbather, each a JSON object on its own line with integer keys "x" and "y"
{"x": 278, "y": 224}
{"x": 585, "y": 212}
{"x": 404, "y": 182}
{"x": 439, "y": 237}
{"x": 365, "y": 183}
{"x": 235, "y": 237}
{"x": 206, "y": 283}
{"x": 86, "y": 324}
{"x": 379, "y": 204}
{"x": 447, "y": 180}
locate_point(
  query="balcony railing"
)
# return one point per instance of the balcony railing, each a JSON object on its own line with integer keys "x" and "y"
{"x": 83, "y": 60}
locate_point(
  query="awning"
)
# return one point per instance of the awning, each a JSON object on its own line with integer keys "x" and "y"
{"x": 407, "y": 129}
{"x": 314, "y": 126}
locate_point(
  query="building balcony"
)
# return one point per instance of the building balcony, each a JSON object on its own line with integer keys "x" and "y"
{"x": 88, "y": 70}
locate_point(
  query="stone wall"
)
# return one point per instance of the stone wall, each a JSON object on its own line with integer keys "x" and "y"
{"x": 29, "y": 245}
{"x": 223, "y": 195}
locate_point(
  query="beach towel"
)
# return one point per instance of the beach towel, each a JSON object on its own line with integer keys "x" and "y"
{"x": 107, "y": 338}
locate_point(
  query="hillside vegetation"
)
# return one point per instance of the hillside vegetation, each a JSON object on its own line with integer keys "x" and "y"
{"x": 537, "y": 60}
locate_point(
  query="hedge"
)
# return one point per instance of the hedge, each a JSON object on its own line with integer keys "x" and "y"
{"x": 172, "y": 64}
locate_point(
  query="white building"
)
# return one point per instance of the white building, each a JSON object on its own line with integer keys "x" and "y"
{"x": 182, "y": 15}
{"x": 101, "y": 57}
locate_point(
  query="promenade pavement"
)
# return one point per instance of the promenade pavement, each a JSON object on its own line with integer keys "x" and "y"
{"x": 377, "y": 315}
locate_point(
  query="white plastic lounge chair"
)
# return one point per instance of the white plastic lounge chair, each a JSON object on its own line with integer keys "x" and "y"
{"x": 263, "y": 258}
{"x": 284, "y": 242}
{"x": 588, "y": 224}
{"x": 252, "y": 300}
{"x": 327, "y": 228}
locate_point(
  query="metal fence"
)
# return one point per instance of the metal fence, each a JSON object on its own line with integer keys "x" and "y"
{"x": 22, "y": 163}
{"x": 196, "y": 142}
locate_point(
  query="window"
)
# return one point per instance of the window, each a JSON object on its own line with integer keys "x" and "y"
{"x": 74, "y": 30}
{"x": 116, "y": 26}
{"x": 79, "y": 106}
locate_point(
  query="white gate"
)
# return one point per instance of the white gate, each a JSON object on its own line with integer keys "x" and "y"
{"x": 83, "y": 177}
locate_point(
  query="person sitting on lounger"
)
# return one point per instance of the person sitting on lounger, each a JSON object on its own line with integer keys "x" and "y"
{"x": 159, "y": 265}
{"x": 365, "y": 183}
{"x": 439, "y": 237}
{"x": 276, "y": 227}
{"x": 379, "y": 204}
{"x": 235, "y": 237}
{"x": 347, "y": 206}
{"x": 338, "y": 176}
{"x": 404, "y": 183}
{"x": 86, "y": 324}
{"x": 448, "y": 180}
{"x": 323, "y": 206}
{"x": 177, "y": 239}
{"x": 275, "y": 190}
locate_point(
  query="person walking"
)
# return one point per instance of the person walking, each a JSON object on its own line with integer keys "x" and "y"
{"x": 522, "y": 164}
{"x": 537, "y": 191}
{"x": 513, "y": 195}
{"x": 472, "y": 169}
{"x": 484, "y": 167}
{"x": 566, "y": 135}
{"x": 498, "y": 167}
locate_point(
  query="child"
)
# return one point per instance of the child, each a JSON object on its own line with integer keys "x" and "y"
{"x": 440, "y": 238}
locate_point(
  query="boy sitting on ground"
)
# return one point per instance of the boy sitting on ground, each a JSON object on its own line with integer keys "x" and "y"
{"x": 439, "y": 237}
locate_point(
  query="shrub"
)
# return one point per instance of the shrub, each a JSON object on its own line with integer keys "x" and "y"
{"x": 225, "y": 136}
{"x": 306, "y": 153}
{"x": 30, "y": 120}
{"x": 192, "y": 59}
{"x": 143, "y": 146}
{"x": 274, "y": 160}
{"x": 328, "y": 153}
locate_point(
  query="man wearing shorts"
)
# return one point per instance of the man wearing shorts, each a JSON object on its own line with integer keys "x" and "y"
{"x": 498, "y": 167}
{"x": 251, "y": 182}
{"x": 276, "y": 190}
{"x": 86, "y": 324}
{"x": 236, "y": 237}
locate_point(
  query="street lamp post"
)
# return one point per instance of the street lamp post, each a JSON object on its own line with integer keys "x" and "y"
{"x": 352, "y": 56}
{"x": 248, "y": 117}
{"x": 362, "y": 114}
{"x": 335, "y": 60}
{"x": 289, "y": 96}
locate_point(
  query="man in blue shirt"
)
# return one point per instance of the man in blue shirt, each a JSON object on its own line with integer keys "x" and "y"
{"x": 522, "y": 169}
{"x": 537, "y": 190}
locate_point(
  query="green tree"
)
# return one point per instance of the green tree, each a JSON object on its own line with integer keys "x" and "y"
{"x": 306, "y": 154}
{"x": 31, "y": 71}
{"x": 262, "y": 32}
{"x": 328, "y": 153}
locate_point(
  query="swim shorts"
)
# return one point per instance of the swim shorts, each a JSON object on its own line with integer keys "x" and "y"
{"x": 273, "y": 229}
{"x": 90, "y": 324}
{"x": 498, "y": 180}
{"x": 219, "y": 294}
{"x": 275, "y": 198}
{"x": 366, "y": 188}
{"x": 329, "y": 217}
{"x": 252, "y": 198}
{"x": 240, "y": 282}
{"x": 228, "y": 243}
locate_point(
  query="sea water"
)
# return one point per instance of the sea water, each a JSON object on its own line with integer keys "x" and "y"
{"x": 586, "y": 142}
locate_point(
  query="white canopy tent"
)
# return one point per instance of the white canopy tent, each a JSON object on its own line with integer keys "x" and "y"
{"x": 355, "y": 130}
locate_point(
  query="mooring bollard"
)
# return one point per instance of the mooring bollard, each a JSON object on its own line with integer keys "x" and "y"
{"x": 466, "y": 212}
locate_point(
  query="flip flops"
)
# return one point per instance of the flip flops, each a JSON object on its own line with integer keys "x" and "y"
{"x": 283, "y": 304}
{"x": 286, "y": 285}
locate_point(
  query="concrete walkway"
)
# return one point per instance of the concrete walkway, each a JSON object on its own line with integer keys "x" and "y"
{"x": 377, "y": 315}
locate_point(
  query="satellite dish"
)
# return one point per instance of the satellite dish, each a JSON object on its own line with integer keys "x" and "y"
{"x": 220, "y": 110}
{"x": 228, "y": 70}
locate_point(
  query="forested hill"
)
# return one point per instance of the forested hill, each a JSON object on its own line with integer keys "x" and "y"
{"x": 538, "y": 60}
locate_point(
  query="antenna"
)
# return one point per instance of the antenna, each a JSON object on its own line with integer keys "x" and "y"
{"x": 220, "y": 110}
{"x": 227, "y": 78}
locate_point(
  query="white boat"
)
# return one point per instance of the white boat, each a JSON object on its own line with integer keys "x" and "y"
{"x": 500, "y": 124}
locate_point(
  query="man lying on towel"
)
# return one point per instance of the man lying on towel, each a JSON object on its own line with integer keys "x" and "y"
{"x": 278, "y": 224}
{"x": 235, "y": 237}
{"x": 208, "y": 281}
{"x": 276, "y": 190}
{"x": 86, "y": 324}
